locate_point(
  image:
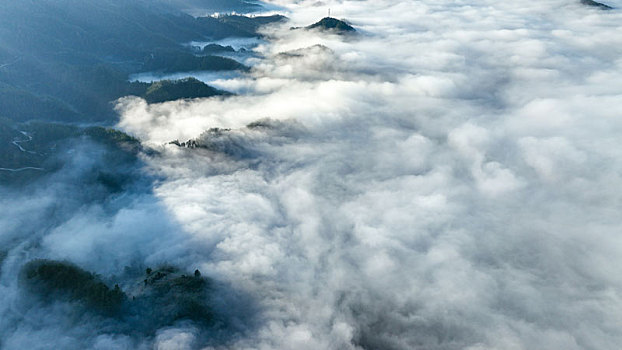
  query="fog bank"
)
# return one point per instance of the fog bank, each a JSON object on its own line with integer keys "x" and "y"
{"x": 446, "y": 179}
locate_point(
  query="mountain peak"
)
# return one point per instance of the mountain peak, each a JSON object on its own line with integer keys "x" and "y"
{"x": 330, "y": 23}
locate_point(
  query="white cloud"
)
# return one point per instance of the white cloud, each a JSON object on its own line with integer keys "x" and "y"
{"x": 449, "y": 179}
{"x": 454, "y": 186}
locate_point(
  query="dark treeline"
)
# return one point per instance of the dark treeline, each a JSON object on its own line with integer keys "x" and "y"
{"x": 155, "y": 299}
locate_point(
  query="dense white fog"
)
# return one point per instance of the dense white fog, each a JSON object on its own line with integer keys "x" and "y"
{"x": 450, "y": 177}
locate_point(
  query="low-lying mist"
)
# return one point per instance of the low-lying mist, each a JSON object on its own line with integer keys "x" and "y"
{"x": 90, "y": 254}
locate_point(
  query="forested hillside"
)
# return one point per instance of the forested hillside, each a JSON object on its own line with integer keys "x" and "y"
{"x": 67, "y": 60}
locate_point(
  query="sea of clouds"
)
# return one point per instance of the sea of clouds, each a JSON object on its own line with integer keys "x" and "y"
{"x": 448, "y": 178}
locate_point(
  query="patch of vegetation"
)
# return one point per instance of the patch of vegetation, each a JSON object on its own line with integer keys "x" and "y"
{"x": 332, "y": 24}
{"x": 67, "y": 60}
{"x": 596, "y": 4}
{"x": 111, "y": 137}
{"x": 164, "y": 295}
{"x": 180, "y": 61}
{"x": 169, "y": 90}
{"x": 32, "y": 150}
{"x": 24, "y": 105}
{"x": 8, "y": 131}
{"x": 250, "y": 25}
{"x": 222, "y": 141}
{"x": 46, "y": 135}
{"x": 3, "y": 255}
{"x": 215, "y": 48}
{"x": 61, "y": 280}
{"x": 222, "y": 5}
{"x": 177, "y": 296}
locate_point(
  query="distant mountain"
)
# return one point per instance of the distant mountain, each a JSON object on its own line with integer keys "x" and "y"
{"x": 170, "y": 90}
{"x": 332, "y": 24}
{"x": 596, "y": 4}
{"x": 215, "y": 48}
{"x": 250, "y": 24}
{"x": 65, "y": 60}
{"x": 177, "y": 60}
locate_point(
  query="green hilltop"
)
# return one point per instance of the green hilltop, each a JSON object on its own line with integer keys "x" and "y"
{"x": 168, "y": 90}
{"x": 332, "y": 24}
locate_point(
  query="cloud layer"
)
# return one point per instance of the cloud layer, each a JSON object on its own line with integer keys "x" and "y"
{"x": 447, "y": 179}
{"x": 453, "y": 185}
